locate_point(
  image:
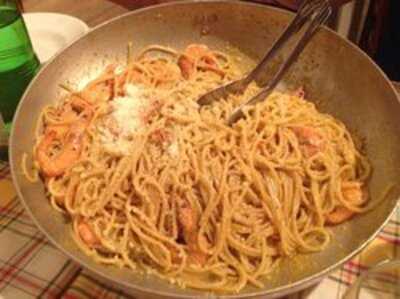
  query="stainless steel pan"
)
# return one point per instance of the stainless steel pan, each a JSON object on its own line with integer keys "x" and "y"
{"x": 334, "y": 71}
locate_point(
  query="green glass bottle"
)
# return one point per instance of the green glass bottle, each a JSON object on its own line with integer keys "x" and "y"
{"x": 18, "y": 65}
{"x": 18, "y": 62}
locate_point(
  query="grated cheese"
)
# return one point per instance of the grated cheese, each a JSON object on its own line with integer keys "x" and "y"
{"x": 128, "y": 110}
{"x": 121, "y": 127}
{"x": 125, "y": 121}
{"x": 173, "y": 149}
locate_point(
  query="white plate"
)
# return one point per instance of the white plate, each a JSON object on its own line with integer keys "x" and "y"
{"x": 51, "y": 32}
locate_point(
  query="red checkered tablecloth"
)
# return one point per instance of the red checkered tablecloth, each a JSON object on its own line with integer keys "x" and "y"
{"x": 31, "y": 267}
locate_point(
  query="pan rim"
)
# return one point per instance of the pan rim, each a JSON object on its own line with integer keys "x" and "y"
{"x": 279, "y": 291}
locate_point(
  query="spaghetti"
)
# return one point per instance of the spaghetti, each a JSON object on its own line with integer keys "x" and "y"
{"x": 155, "y": 183}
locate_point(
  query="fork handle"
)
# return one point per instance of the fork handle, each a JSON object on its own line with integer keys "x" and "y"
{"x": 311, "y": 15}
{"x": 305, "y": 13}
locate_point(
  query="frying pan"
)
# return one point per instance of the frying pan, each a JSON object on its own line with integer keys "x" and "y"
{"x": 345, "y": 82}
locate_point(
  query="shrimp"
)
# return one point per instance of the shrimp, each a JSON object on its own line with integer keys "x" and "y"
{"x": 52, "y": 166}
{"x": 87, "y": 235}
{"x": 339, "y": 215}
{"x": 100, "y": 89}
{"x": 193, "y": 54}
{"x": 98, "y": 93}
{"x": 186, "y": 65}
{"x": 69, "y": 135}
{"x": 352, "y": 192}
{"x": 311, "y": 142}
{"x": 188, "y": 220}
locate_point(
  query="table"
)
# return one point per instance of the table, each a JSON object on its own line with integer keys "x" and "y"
{"x": 31, "y": 267}
{"x": 93, "y": 12}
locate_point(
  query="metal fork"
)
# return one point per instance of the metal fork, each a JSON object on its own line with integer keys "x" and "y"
{"x": 311, "y": 14}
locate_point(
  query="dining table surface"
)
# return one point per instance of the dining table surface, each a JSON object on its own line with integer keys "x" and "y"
{"x": 31, "y": 267}
{"x": 92, "y": 12}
